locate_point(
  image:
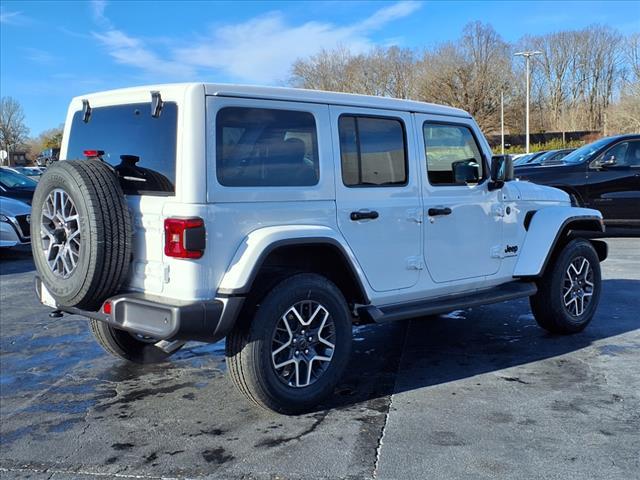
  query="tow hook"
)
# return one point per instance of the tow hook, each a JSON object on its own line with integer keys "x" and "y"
{"x": 56, "y": 314}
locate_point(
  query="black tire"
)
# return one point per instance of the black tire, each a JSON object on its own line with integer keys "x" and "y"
{"x": 249, "y": 346}
{"x": 548, "y": 305}
{"x": 124, "y": 345}
{"x": 105, "y": 233}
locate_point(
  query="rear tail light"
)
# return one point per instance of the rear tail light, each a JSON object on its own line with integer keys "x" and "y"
{"x": 184, "y": 237}
{"x": 93, "y": 153}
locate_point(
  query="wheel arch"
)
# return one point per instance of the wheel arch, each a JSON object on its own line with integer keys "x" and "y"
{"x": 550, "y": 229}
{"x": 268, "y": 254}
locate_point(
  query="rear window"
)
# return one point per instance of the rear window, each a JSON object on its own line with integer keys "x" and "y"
{"x": 142, "y": 149}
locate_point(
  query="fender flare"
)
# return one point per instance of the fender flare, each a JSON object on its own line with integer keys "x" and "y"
{"x": 258, "y": 244}
{"x": 544, "y": 232}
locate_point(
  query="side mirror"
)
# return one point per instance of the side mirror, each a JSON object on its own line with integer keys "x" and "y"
{"x": 501, "y": 171}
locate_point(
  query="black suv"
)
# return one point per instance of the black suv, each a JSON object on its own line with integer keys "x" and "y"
{"x": 604, "y": 175}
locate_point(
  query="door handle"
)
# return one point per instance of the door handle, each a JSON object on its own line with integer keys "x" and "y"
{"x": 364, "y": 214}
{"x": 432, "y": 212}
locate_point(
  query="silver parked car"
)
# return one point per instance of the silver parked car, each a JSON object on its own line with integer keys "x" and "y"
{"x": 15, "y": 223}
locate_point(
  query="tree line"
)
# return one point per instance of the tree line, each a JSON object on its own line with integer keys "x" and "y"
{"x": 584, "y": 79}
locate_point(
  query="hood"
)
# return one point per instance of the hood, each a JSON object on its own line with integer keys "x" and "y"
{"x": 11, "y": 207}
{"x": 540, "y": 193}
{"x": 526, "y": 170}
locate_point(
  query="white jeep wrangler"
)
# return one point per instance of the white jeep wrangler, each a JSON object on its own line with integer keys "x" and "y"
{"x": 278, "y": 217}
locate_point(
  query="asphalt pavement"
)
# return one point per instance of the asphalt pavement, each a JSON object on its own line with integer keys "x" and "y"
{"x": 477, "y": 393}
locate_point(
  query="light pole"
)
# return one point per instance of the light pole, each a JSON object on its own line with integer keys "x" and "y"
{"x": 502, "y": 122}
{"x": 527, "y": 55}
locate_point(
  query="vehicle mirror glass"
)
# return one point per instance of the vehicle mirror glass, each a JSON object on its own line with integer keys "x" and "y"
{"x": 466, "y": 171}
{"x": 502, "y": 168}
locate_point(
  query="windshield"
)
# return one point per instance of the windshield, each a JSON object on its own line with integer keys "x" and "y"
{"x": 582, "y": 153}
{"x": 521, "y": 160}
{"x": 11, "y": 179}
{"x": 545, "y": 156}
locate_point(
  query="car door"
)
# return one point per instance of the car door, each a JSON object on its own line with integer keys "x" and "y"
{"x": 614, "y": 188}
{"x": 377, "y": 193}
{"x": 463, "y": 227}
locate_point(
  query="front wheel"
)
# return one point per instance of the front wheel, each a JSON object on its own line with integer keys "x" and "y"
{"x": 569, "y": 291}
{"x": 292, "y": 353}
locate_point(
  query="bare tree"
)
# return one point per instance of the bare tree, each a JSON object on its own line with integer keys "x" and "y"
{"x": 13, "y": 131}
{"x": 632, "y": 54}
{"x": 51, "y": 138}
{"x": 383, "y": 71}
{"x": 578, "y": 77}
{"x": 624, "y": 116}
{"x": 469, "y": 74}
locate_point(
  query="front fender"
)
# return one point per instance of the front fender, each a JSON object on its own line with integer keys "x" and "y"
{"x": 257, "y": 245}
{"x": 545, "y": 229}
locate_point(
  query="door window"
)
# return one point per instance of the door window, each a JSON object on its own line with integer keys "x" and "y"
{"x": 619, "y": 153}
{"x": 633, "y": 154}
{"x": 453, "y": 156}
{"x": 266, "y": 147}
{"x": 373, "y": 151}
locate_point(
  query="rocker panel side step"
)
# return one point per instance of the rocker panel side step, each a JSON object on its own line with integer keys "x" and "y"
{"x": 433, "y": 306}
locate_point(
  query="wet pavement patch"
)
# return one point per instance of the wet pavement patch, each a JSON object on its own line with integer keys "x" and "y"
{"x": 217, "y": 455}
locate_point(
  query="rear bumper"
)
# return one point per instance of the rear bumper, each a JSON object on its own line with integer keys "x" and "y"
{"x": 166, "y": 319}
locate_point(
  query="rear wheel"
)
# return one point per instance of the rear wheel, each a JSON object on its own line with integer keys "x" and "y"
{"x": 292, "y": 353}
{"x": 127, "y": 346}
{"x": 569, "y": 291}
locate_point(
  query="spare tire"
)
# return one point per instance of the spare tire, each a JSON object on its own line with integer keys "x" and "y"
{"x": 80, "y": 233}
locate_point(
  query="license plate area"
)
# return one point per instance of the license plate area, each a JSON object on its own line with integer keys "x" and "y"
{"x": 146, "y": 317}
{"x": 46, "y": 298}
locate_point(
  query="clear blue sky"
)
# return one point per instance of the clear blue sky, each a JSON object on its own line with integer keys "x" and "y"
{"x": 52, "y": 51}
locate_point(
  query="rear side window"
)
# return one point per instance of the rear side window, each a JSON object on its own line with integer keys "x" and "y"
{"x": 373, "y": 151}
{"x": 453, "y": 156}
{"x": 142, "y": 149}
{"x": 266, "y": 147}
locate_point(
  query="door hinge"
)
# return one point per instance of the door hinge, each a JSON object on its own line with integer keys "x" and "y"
{"x": 166, "y": 274}
{"x": 414, "y": 263}
{"x": 497, "y": 210}
{"x": 496, "y": 251}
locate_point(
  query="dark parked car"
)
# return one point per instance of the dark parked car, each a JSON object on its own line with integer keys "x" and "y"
{"x": 604, "y": 175}
{"x": 16, "y": 185}
{"x": 552, "y": 157}
{"x": 527, "y": 159}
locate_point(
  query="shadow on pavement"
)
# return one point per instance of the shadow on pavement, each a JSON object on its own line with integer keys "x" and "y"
{"x": 462, "y": 344}
{"x": 16, "y": 260}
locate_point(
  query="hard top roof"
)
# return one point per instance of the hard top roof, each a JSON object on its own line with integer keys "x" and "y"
{"x": 297, "y": 94}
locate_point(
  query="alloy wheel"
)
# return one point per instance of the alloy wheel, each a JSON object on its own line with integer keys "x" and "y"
{"x": 578, "y": 286}
{"x": 60, "y": 233}
{"x": 303, "y": 344}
